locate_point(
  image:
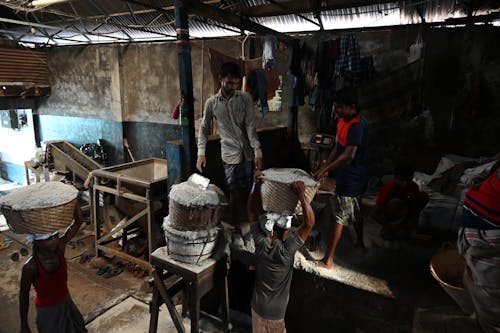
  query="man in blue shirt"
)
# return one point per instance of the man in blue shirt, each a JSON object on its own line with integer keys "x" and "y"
{"x": 347, "y": 161}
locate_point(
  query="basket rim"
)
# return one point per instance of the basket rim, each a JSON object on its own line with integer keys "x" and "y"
{"x": 436, "y": 276}
{"x": 317, "y": 184}
{"x": 30, "y": 209}
{"x": 195, "y": 206}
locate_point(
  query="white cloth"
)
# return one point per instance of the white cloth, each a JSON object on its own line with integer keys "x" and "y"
{"x": 283, "y": 220}
{"x": 40, "y": 237}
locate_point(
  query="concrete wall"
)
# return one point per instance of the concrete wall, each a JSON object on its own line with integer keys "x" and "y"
{"x": 128, "y": 91}
{"x": 113, "y": 92}
{"x": 85, "y": 82}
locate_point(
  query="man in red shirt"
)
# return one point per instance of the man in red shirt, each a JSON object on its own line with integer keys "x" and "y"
{"x": 399, "y": 202}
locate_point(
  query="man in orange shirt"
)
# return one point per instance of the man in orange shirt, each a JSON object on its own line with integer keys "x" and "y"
{"x": 347, "y": 161}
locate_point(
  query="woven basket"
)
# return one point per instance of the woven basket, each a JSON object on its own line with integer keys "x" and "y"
{"x": 39, "y": 220}
{"x": 278, "y": 197}
{"x": 189, "y": 247}
{"x": 193, "y": 218}
{"x": 310, "y": 193}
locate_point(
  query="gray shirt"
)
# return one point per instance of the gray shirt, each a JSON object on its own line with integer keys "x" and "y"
{"x": 274, "y": 272}
{"x": 236, "y": 121}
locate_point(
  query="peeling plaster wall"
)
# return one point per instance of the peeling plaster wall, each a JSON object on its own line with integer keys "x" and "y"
{"x": 85, "y": 83}
{"x": 136, "y": 87}
{"x": 150, "y": 83}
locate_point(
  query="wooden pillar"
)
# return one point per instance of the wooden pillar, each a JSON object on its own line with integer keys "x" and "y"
{"x": 186, "y": 85}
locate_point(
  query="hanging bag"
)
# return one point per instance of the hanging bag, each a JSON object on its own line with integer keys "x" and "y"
{"x": 416, "y": 49}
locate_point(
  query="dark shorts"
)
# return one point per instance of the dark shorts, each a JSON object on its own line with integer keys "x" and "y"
{"x": 239, "y": 176}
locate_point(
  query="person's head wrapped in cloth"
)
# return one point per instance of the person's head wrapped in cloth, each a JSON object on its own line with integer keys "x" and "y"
{"x": 276, "y": 224}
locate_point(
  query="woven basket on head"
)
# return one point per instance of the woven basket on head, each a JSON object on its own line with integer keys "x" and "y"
{"x": 39, "y": 220}
{"x": 278, "y": 197}
{"x": 310, "y": 193}
{"x": 193, "y": 218}
{"x": 39, "y": 208}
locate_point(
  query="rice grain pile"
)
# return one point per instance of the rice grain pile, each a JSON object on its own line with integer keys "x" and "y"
{"x": 191, "y": 196}
{"x": 41, "y": 195}
{"x": 288, "y": 176}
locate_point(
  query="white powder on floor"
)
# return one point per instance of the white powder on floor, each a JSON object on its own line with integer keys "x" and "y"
{"x": 190, "y": 196}
{"x": 41, "y": 195}
{"x": 344, "y": 275}
{"x": 289, "y": 175}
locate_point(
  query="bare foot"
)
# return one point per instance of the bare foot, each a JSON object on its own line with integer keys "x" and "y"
{"x": 328, "y": 264}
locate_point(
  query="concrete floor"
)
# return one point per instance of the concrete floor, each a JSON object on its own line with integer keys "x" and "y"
{"x": 94, "y": 295}
{"x": 385, "y": 288}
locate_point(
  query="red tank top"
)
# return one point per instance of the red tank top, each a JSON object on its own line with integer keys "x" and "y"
{"x": 51, "y": 288}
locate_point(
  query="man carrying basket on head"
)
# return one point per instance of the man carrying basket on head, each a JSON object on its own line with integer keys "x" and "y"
{"x": 275, "y": 248}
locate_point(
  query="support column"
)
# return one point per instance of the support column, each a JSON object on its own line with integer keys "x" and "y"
{"x": 186, "y": 85}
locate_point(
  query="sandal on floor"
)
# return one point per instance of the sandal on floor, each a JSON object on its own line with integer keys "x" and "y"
{"x": 85, "y": 257}
{"x": 113, "y": 272}
{"x": 14, "y": 256}
{"x": 105, "y": 269}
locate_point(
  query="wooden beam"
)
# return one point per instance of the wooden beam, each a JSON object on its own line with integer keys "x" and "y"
{"x": 23, "y": 90}
{"x": 301, "y": 7}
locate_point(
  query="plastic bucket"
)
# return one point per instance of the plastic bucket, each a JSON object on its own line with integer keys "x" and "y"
{"x": 447, "y": 267}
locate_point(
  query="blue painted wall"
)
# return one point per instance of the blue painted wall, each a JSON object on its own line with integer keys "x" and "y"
{"x": 12, "y": 172}
{"x": 78, "y": 131}
{"x": 149, "y": 139}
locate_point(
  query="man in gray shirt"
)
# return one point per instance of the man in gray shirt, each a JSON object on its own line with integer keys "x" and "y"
{"x": 240, "y": 146}
{"x": 275, "y": 248}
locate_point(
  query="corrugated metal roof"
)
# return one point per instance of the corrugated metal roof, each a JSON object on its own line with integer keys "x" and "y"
{"x": 111, "y": 21}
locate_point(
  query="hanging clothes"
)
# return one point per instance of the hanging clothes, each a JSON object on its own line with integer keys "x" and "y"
{"x": 269, "y": 52}
{"x": 349, "y": 55}
{"x": 326, "y": 57}
{"x": 271, "y": 75}
{"x": 257, "y": 87}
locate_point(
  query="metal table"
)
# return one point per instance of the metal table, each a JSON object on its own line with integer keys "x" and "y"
{"x": 143, "y": 183}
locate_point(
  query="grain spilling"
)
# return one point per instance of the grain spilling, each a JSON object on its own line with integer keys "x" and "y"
{"x": 42, "y": 195}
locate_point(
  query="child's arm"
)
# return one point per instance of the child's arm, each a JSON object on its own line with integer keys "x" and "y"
{"x": 74, "y": 227}
{"x": 27, "y": 278}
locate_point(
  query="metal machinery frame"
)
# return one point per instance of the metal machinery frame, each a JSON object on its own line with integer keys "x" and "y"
{"x": 143, "y": 182}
